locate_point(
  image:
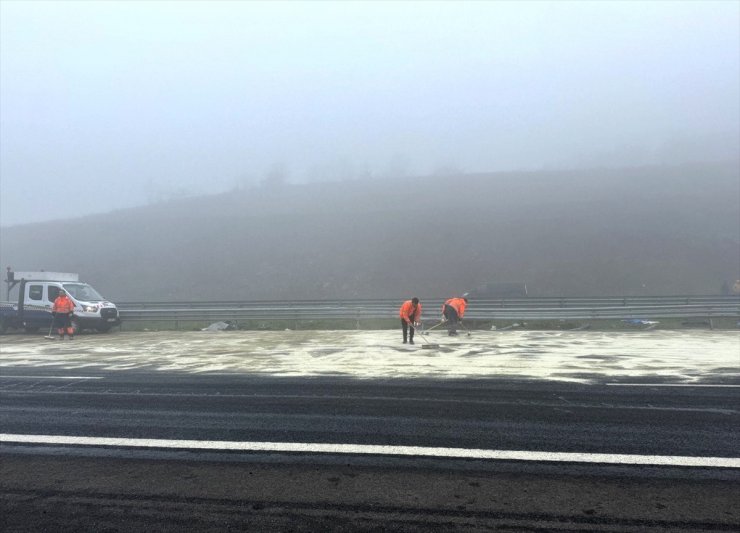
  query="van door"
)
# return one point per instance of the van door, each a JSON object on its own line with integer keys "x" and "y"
{"x": 36, "y": 310}
{"x": 34, "y": 294}
{"x": 52, "y": 293}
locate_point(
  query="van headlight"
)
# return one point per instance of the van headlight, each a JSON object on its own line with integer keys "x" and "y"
{"x": 90, "y": 309}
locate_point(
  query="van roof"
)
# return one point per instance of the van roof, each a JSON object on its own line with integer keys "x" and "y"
{"x": 46, "y": 276}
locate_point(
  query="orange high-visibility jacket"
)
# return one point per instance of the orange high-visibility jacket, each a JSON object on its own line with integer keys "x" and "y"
{"x": 63, "y": 304}
{"x": 458, "y": 304}
{"x": 409, "y": 313}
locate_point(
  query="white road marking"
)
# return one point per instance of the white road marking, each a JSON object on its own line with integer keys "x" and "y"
{"x": 370, "y": 449}
{"x": 51, "y": 377}
{"x": 673, "y": 385}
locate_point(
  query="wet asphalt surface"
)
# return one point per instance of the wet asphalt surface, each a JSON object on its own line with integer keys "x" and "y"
{"x": 57, "y": 487}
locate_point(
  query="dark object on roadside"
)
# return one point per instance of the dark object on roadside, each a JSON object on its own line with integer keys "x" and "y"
{"x": 648, "y": 324}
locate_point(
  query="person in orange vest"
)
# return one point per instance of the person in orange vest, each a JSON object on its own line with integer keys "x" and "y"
{"x": 62, "y": 311}
{"x": 410, "y": 314}
{"x": 453, "y": 310}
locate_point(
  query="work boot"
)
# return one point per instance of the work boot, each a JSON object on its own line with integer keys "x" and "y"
{"x": 411, "y": 341}
{"x": 404, "y": 341}
{"x": 61, "y": 337}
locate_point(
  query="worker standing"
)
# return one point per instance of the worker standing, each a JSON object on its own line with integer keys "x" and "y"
{"x": 62, "y": 311}
{"x": 453, "y": 310}
{"x": 410, "y": 314}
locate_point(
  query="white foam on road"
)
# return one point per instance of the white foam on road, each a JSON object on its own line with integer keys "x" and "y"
{"x": 584, "y": 357}
{"x": 370, "y": 449}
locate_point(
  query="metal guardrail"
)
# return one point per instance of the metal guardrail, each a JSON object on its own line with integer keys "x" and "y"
{"x": 546, "y": 301}
{"x": 478, "y": 310}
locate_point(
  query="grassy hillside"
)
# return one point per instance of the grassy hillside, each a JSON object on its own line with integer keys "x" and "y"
{"x": 657, "y": 230}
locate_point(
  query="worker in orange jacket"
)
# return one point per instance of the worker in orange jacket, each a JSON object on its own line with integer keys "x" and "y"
{"x": 410, "y": 314}
{"x": 62, "y": 311}
{"x": 453, "y": 310}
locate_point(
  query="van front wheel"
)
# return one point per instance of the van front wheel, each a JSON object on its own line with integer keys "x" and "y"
{"x": 103, "y": 328}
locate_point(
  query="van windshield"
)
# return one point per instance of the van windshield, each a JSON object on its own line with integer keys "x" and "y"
{"x": 82, "y": 292}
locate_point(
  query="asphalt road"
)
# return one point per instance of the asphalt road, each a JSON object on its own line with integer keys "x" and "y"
{"x": 234, "y": 450}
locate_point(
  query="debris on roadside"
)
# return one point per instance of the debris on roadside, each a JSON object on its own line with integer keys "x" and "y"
{"x": 649, "y": 324}
{"x": 221, "y": 326}
{"x": 513, "y": 326}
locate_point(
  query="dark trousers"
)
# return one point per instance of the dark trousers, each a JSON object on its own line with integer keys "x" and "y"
{"x": 408, "y": 330}
{"x": 63, "y": 322}
{"x": 450, "y": 313}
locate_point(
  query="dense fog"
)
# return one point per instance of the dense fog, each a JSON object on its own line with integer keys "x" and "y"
{"x": 632, "y": 231}
{"x": 106, "y": 105}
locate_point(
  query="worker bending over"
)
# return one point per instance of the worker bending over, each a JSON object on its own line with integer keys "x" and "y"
{"x": 453, "y": 310}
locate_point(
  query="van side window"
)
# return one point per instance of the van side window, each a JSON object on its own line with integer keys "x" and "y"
{"x": 53, "y": 292}
{"x": 35, "y": 292}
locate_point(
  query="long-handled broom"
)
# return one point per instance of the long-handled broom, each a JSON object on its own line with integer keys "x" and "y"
{"x": 427, "y": 345}
{"x": 51, "y": 326}
{"x": 436, "y": 325}
{"x": 466, "y": 329}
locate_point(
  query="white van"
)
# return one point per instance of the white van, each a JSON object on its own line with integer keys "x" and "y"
{"x": 38, "y": 290}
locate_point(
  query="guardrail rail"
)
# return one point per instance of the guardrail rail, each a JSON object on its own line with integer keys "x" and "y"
{"x": 522, "y": 309}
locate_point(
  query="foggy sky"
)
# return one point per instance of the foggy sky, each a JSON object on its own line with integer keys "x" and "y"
{"x": 105, "y": 105}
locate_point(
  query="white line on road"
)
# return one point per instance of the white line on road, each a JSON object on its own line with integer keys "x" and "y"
{"x": 672, "y": 385}
{"x": 369, "y": 449}
{"x": 51, "y": 377}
